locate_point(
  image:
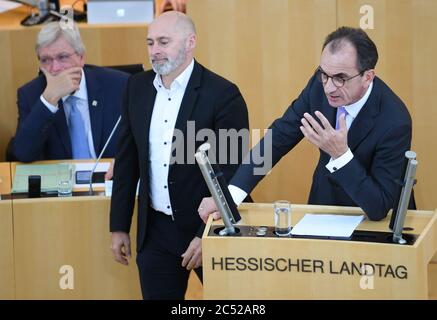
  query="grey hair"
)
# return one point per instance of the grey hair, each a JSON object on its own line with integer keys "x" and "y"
{"x": 54, "y": 30}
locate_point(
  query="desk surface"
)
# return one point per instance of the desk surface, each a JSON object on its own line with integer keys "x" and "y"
{"x": 263, "y": 213}
{"x": 13, "y": 166}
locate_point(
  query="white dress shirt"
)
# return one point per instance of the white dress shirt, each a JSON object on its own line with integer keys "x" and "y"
{"x": 82, "y": 104}
{"x": 238, "y": 194}
{"x": 165, "y": 113}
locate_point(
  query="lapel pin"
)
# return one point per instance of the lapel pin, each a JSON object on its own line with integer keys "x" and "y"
{"x": 94, "y": 103}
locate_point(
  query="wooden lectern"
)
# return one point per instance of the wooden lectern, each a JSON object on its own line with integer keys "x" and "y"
{"x": 368, "y": 266}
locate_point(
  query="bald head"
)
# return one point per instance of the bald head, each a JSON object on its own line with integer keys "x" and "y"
{"x": 171, "y": 39}
{"x": 176, "y": 22}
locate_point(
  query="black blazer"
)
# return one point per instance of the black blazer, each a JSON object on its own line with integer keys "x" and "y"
{"x": 43, "y": 135}
{"x": 378, "y": 138}
{"x": 211, "y": 102}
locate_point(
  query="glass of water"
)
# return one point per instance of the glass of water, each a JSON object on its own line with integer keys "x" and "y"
{"x": 282, "y": 218}
{"x": 65, "y": 180}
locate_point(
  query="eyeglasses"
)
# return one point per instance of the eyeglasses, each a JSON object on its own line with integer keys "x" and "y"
{"x": 338, "y": 81}
{"x": 61, "y": 58}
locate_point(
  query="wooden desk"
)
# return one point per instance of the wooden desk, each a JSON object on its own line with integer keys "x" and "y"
{"x": 303, "y": 268}
{"x": 55, "y": 232}
{"x": 7, "y": 285}
{"x": 73, "y": 232}
{"x": 5, "y": 178}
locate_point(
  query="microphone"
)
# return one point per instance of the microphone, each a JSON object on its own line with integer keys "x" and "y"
{"x": 101, "y": 154}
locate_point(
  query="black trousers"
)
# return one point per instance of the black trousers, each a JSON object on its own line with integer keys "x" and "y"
{"x": 160, "y": 263}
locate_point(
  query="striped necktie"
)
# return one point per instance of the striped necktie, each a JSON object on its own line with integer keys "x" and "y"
{"x": 340, "y": 111}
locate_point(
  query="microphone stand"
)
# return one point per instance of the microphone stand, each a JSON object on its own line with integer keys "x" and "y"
{"x": 100, "y": 156}
{"x": 404, "y": 199}
{"x": 216, "y": 189}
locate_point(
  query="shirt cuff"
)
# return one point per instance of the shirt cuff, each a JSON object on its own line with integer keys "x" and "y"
{"x": 237, "y": 194}
{"x": 52, "y": 108}
{"x": 340, "y": 162}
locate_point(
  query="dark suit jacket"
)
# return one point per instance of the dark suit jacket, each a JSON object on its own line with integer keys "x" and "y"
{"x": 378, "y": 138}
{"x": 209, "y": 100}
{"x": 43, "y": 135}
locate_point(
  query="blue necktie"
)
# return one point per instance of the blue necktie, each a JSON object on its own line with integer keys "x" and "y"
{"x": 340, "y": 111}
{"x": 79, "y": 140}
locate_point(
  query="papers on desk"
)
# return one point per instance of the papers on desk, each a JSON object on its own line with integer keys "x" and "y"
{"x": 8, "y": 5}
{"x": 50, "y": 173}
{"x": 327, "y": 225}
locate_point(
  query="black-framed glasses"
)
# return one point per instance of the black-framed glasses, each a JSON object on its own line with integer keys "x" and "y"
{"x": 338, "y": 81}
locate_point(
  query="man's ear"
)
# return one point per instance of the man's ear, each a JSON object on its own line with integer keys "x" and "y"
{"x": 369, "y": 75}
{"x": 82, "y": 60}
{"x": 191, "y": 42}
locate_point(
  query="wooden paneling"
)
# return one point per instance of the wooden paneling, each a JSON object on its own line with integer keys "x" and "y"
{"x": 7, "y": 278}
{"x": 424, "y": 83}
{"x": 403, "y": 31}
{"x": 5, "y": 178}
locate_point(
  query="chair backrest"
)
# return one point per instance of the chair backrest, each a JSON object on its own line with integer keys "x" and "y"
{"x": 129, "y": 68}
{"x": 10, "y": 157}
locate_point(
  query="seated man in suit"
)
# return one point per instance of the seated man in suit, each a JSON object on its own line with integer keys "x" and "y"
{"x": 70, "y": 109}
{"x": 360, "y": 126}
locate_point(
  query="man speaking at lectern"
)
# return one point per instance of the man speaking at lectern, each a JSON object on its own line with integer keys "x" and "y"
{"x": 177, "y": 94}
{"x": 360, "y": 126}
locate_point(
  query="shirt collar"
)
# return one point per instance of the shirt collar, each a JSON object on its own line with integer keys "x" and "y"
{"x": 181, "y": 81}
{"x": 81, "y": 93}
{"x": 355, "y": 108}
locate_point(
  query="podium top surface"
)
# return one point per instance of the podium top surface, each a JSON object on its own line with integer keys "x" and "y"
{"x": 417, "y": 222}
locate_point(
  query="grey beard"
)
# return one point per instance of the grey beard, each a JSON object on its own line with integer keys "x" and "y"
{"x": 170, "y": 66}
{"x": 163, "y": 69}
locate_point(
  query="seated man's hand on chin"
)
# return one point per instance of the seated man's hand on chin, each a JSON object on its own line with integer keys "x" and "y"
{"x": 207, "y": 207}
{"x": 61, "y": 84}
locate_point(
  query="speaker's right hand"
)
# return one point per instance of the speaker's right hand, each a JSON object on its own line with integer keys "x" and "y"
{"x": 207, "y": 207}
